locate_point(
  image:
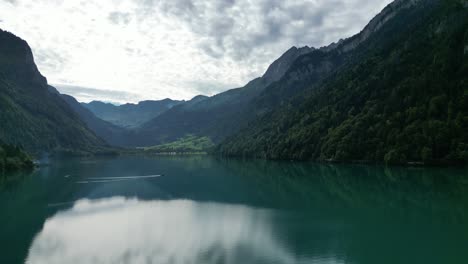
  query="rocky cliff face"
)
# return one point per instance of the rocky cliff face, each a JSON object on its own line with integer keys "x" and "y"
{"x": 17, "y": 61}
{"x": 279, "y": 67}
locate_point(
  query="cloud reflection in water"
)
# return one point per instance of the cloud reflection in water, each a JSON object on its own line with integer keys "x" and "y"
{"x": 120, "y": 230}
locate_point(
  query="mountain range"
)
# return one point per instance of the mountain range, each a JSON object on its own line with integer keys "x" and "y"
{"x": 130, "y": 115}
{"x": 396, "y": 92}
{"x": 401, "y": 95}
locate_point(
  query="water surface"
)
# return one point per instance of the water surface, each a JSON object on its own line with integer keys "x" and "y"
{"x": 202, "y": 209}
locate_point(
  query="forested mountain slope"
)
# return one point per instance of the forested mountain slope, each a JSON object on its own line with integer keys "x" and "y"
{"x": 112, "y": 134}
{"x": 403, "y": 98}
{"x": 30, "y": 114}
{"x": 309, "y": 70}
{"x": 217, "y": 116}
{"x": 295, "y": 71}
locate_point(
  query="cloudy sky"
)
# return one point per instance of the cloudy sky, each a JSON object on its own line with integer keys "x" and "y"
{"x": 131, "y": 50}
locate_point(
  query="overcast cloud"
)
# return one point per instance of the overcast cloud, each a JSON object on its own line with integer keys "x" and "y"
{"x": 132, "y": 50}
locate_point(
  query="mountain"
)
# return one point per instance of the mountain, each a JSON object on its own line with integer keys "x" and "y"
{"x": 311, "y": 69}
{"x": 215, "y": 117}
{"x": 31, "y": 115}
{"x": 112, "y": 134}
{"x": 130, "y": 115}
{"x": 297, "y": 70}
{"x": 279, "y": 67}
{"x": 399, "y": 94}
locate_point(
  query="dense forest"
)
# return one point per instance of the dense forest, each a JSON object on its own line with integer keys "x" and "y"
{"x": 13, "y": 158}
{"x": 401, "y": 102}
{"x": 187, "y": 144}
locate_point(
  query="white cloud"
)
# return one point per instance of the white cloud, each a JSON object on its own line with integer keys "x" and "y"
{"x": 179, "y": 48}
{"x": 87, "y": 94}
{"x": 162, "y": 232}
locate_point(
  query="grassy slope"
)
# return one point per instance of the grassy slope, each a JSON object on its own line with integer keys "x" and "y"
{"x": 187, "y": 144}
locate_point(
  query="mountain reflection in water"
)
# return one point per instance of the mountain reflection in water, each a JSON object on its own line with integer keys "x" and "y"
{"x": 206, "y": 210}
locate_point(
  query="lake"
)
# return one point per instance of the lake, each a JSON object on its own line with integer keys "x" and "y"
{"x": 201, "y": 209}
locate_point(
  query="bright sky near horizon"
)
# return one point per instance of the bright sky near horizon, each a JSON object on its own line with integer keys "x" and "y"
{"x": 132, "y": 50}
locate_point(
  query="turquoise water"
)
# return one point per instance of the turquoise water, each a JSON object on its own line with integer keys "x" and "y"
{"x": 211, "y": 211}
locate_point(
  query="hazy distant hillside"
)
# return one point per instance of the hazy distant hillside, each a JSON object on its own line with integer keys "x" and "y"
{"x": 217, "y": 116}
{"x": 112, "y": 134}
{"x": 30, "y": 114}
{"x": 402, "y": 97}
{"x": 130, "y": 115}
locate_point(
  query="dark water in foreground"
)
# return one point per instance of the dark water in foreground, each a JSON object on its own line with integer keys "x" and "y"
{"x": 211, "y": 211}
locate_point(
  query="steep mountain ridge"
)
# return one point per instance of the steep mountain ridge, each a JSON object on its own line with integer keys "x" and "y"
{"x": 296, "y": 70}
{"x": 403, "y": 97}
{"x": 17, "y": 62}
{"x": 279, "y": 67}
{"x": 31, "y": 115}
{"x": 373, "y": 26}
{"x": 310, "y": 69}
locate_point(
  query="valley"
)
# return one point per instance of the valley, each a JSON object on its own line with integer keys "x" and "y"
{"x": 373, "y": 97}
{"x": 122, "y": 139}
